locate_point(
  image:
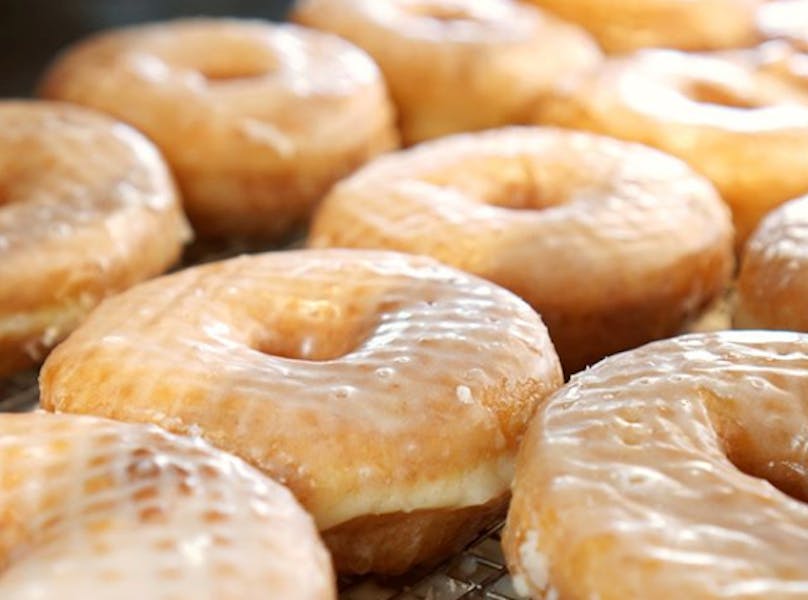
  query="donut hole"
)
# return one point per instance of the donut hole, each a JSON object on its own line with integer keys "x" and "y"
{"x": 220, "y": 58}
{"x": 442, "y": 12}
{"x": 315, "y": 330}
{"x": 710, "y": 92}
{"x": 515, "y": 183}
{"x": 775, "y": 452}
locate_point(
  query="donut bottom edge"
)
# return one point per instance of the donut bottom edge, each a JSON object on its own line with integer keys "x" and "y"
{"x": 394, "y": 543}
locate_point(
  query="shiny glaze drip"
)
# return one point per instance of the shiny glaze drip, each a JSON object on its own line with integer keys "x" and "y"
{"x": 659, "y": 469}
{"x": 96, "y": 508}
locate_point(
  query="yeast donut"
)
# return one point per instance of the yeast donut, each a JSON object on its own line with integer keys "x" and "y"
{"x": 92, "y": 508}
{"x": 389, "y": 392}
{"x": 256, "y": 120}
{"x": 87, "y": 208}
{"x": 745, "y": 130}
{"x": 772, "y": 284}
{"x": 614, "y": 244}
{"x": 673, "y": 471}
{"x": 631, "y": 24}
{"x": 457, "y": 65}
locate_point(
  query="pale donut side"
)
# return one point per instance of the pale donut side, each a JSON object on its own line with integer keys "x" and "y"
{"x": 87, "y": 208}
{"x": 744, "y": 128}
{"x": 659, "y": 469}
{"x": 773, "y": 280}
{"x": 457, "y": 65}
{"x": 614, "y": 244}
{"x": 257, "y": 120}
{"x": 625, "y": 25}
{"x": 93, "y": 508}
{"x": 389, "y": 392}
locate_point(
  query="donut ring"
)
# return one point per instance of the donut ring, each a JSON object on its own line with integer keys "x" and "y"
{"x": 389, "y": 392}
{"x": 447, "y": 62}
{"x": 744, "y": 130}
{"x": 773, "y": 280}
{"x": 644, "y": 242}
{"x": 92, "y": 508}
{"x": 659, "y": 470}
{"x": 684, "y": 24}
{"x": 256, "y": 120}
{"x": 87, "y": 208}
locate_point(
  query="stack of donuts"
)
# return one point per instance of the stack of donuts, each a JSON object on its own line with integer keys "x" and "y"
{"x": 506, "y": 215}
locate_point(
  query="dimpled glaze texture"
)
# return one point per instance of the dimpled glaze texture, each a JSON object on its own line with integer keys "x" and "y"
{"x": 87, "y": 207}
{"x": 91, "y": 508}
{"x": 257, "y": 120}
{"x": 627, "y": 485}
{"x": 624, "y": 25}
{"x": 457, "y": 65}
{"x": 368, "y": 382}
{"x": 773, "y": 282}
{"x": 744, "y": 129}
{"x": 613, "y": 244}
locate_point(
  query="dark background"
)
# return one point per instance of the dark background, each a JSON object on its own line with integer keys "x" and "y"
{"x": 32, "y": 31}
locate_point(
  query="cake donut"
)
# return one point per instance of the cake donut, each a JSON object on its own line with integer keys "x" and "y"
{"x": 673, "y": 471}
{"x": 614, "y": 244}
{"x": 457, "y": 65}
{"x": 87, "y": 208}
{"x": 744, "y": 128}
{"x": 387, "y": 391}
{"x": 631, "y": 24}
{"x": 91, "y": 508}
{"x": 256, "y": 120}
{"x": 773, "y": 284}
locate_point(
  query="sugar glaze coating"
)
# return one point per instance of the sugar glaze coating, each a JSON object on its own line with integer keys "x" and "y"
{"x": 93, "y": 508}
{"x": 659, "y": 469}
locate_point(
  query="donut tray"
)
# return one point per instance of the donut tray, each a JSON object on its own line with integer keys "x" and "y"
{"x": 477, "y": 573}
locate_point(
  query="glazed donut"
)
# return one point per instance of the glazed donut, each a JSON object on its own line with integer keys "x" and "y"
{"x": 389, "y": 392}
{"x": 773, "y": 280}
{"x": 745, "y": 130}
{"x": 457, "y": 65}
{"x": 672, "y": 471}
{"x": 92, "y": 508}
{"x": 256, "y": 120}
{"x": 87, "y": 208}
{"x": 614, "y": 244}
{"x": 684, "y": 24}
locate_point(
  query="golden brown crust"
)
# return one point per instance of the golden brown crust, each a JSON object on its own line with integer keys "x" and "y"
{"x": 454, "y": 65}
{"x": 397, "y": 542}
{"x": 90, "y": 209}
{"x": 257, "y": 120}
